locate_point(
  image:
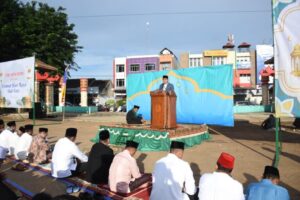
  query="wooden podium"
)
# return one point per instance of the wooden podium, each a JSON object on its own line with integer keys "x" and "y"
{"x": 163, "y": 110}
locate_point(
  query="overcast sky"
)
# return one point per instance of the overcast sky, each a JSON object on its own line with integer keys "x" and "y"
{"x": 114, "y": 28}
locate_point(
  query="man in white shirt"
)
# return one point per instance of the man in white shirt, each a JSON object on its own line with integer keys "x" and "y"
{"x": 9, "y": 137}
{"x": 65, "y": 155}
{"x": 219, "y": 185}
{"x": 173, "y": 177}
{"x": 24, "y": 142}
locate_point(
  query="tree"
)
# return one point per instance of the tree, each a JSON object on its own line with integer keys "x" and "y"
{"x": 37, "y": 28}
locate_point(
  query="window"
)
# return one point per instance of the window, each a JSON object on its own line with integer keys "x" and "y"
{"x": 195, "y": 62}
{"x": 165, "y": 65}
{"x": 243, "y": 62}
{"x": 218, "y": 60}
{"x": 120, "y": 68}
{"x": 191, "y": 63}
{"x": 150, "y": 67}
{"x": 134, "y": 67}
{"x": 199, "y": 62}
{"x": 120, "y": 83}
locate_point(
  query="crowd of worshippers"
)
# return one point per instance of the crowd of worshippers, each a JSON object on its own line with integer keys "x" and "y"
{"x": 171, "y": 179}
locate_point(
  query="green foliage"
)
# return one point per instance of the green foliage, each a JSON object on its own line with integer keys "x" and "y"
{"x": 37, "y": 28}
{"x": 121, "y": 102}
{"x": 110, "y": 102}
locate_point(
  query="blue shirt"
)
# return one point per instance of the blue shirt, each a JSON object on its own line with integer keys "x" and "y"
{"x": 266, "y": 190}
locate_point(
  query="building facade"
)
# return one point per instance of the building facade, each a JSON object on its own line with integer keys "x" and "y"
{"x": 167, "y": 60}
{"x": 141, "y": 64}
{"x": 119, "y": 77}
{"x": 123, "y": 66}
{"x": 242, "y": 59}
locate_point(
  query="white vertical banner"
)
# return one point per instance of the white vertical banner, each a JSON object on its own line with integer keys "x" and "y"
{"x": 286, "y": 19}
{"x": 17, "y": 83}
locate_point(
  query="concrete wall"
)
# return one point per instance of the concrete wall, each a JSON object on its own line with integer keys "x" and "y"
{"x": 207, "y": 61}
{"x": 76, "y": 109}
{"x": 184, "y": 60}
{"x": 254, "y": 108}
{"x": 253, "y": 68}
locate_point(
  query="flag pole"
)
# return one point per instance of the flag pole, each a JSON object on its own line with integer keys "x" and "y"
{"x": 277, "y": 119}
{"x": 64, "y": 92}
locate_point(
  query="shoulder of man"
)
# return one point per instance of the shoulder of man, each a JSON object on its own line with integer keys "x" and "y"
{"x": 237, "y": 184}
{"x": 282, "y": 189}
{"x": 206, "y": 176}
{"x": 106, "y": 149}
{"x": 185, "y": 163}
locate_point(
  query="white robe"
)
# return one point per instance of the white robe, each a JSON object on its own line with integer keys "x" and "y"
{"x": 8, "y": 140}
{"x": 3, "y": 152}
{"x": 63, "y": 161}
{"x": 22, "y": 146}
{"x": 171, "y": 176}
{"x": 220, "y": 186}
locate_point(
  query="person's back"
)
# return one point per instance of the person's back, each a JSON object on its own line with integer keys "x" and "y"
{"x": 64, "y": 154}
{"x": 62, "y": 157}
{"x": 120, "y": 172}
{"x": 172, "y": 176}
{"x": 267, "y": 188}
{"x": 219, "y": 186}
{"x": 24, "y": 142}
{"x": 100, "y": 159}
{"x": 169, "y": 177}
{"x": 124, "y": 169}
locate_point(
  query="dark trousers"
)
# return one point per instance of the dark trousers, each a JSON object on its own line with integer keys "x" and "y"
{"x": 80, "y": 169}
{"x": 139, "y": 181}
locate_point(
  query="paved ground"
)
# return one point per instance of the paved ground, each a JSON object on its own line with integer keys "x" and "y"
{"x": 253, "y": 148}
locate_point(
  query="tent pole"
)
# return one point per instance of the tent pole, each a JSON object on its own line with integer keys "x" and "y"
{"x": 277, "y": 144}
{"x": 34, "y": 91}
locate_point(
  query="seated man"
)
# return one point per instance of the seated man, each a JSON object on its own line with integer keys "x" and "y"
{"x": 269, "y": 122}
{"x": 24, "y": 142}
{"x": 39, "y": 147}
{"x": 267, "y": 188}
{"x": 296, "y": 122}
{"x": 173, "y": 177}
{"x": 65, "y": 155}
{"x": 9, "y": 137}
{"x": 124, "y": 174}
{"x": 21, "y": 131}
{"x": 100, "y": 159}
{"x": 219, "y": 185}
{"x": 133, "y": 118}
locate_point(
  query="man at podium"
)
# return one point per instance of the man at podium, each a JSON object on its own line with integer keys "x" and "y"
{"x": 166, "y": 86}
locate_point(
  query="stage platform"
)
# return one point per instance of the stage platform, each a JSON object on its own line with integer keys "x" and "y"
{"x": 155, "y": 139}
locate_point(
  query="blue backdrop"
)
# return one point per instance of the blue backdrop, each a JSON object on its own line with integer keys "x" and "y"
{"x": 204, "y": 94}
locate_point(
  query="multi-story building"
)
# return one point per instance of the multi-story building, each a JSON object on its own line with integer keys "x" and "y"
{"x": 141, "y": 64}
{"x": 242, "y": 58}
{"x": 191, "y": 60}
{"x": 165, "y": 60}
{"x": 119, "y": 77}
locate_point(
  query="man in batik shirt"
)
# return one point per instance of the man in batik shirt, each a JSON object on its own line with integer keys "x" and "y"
{"x": 39, "y": 147}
